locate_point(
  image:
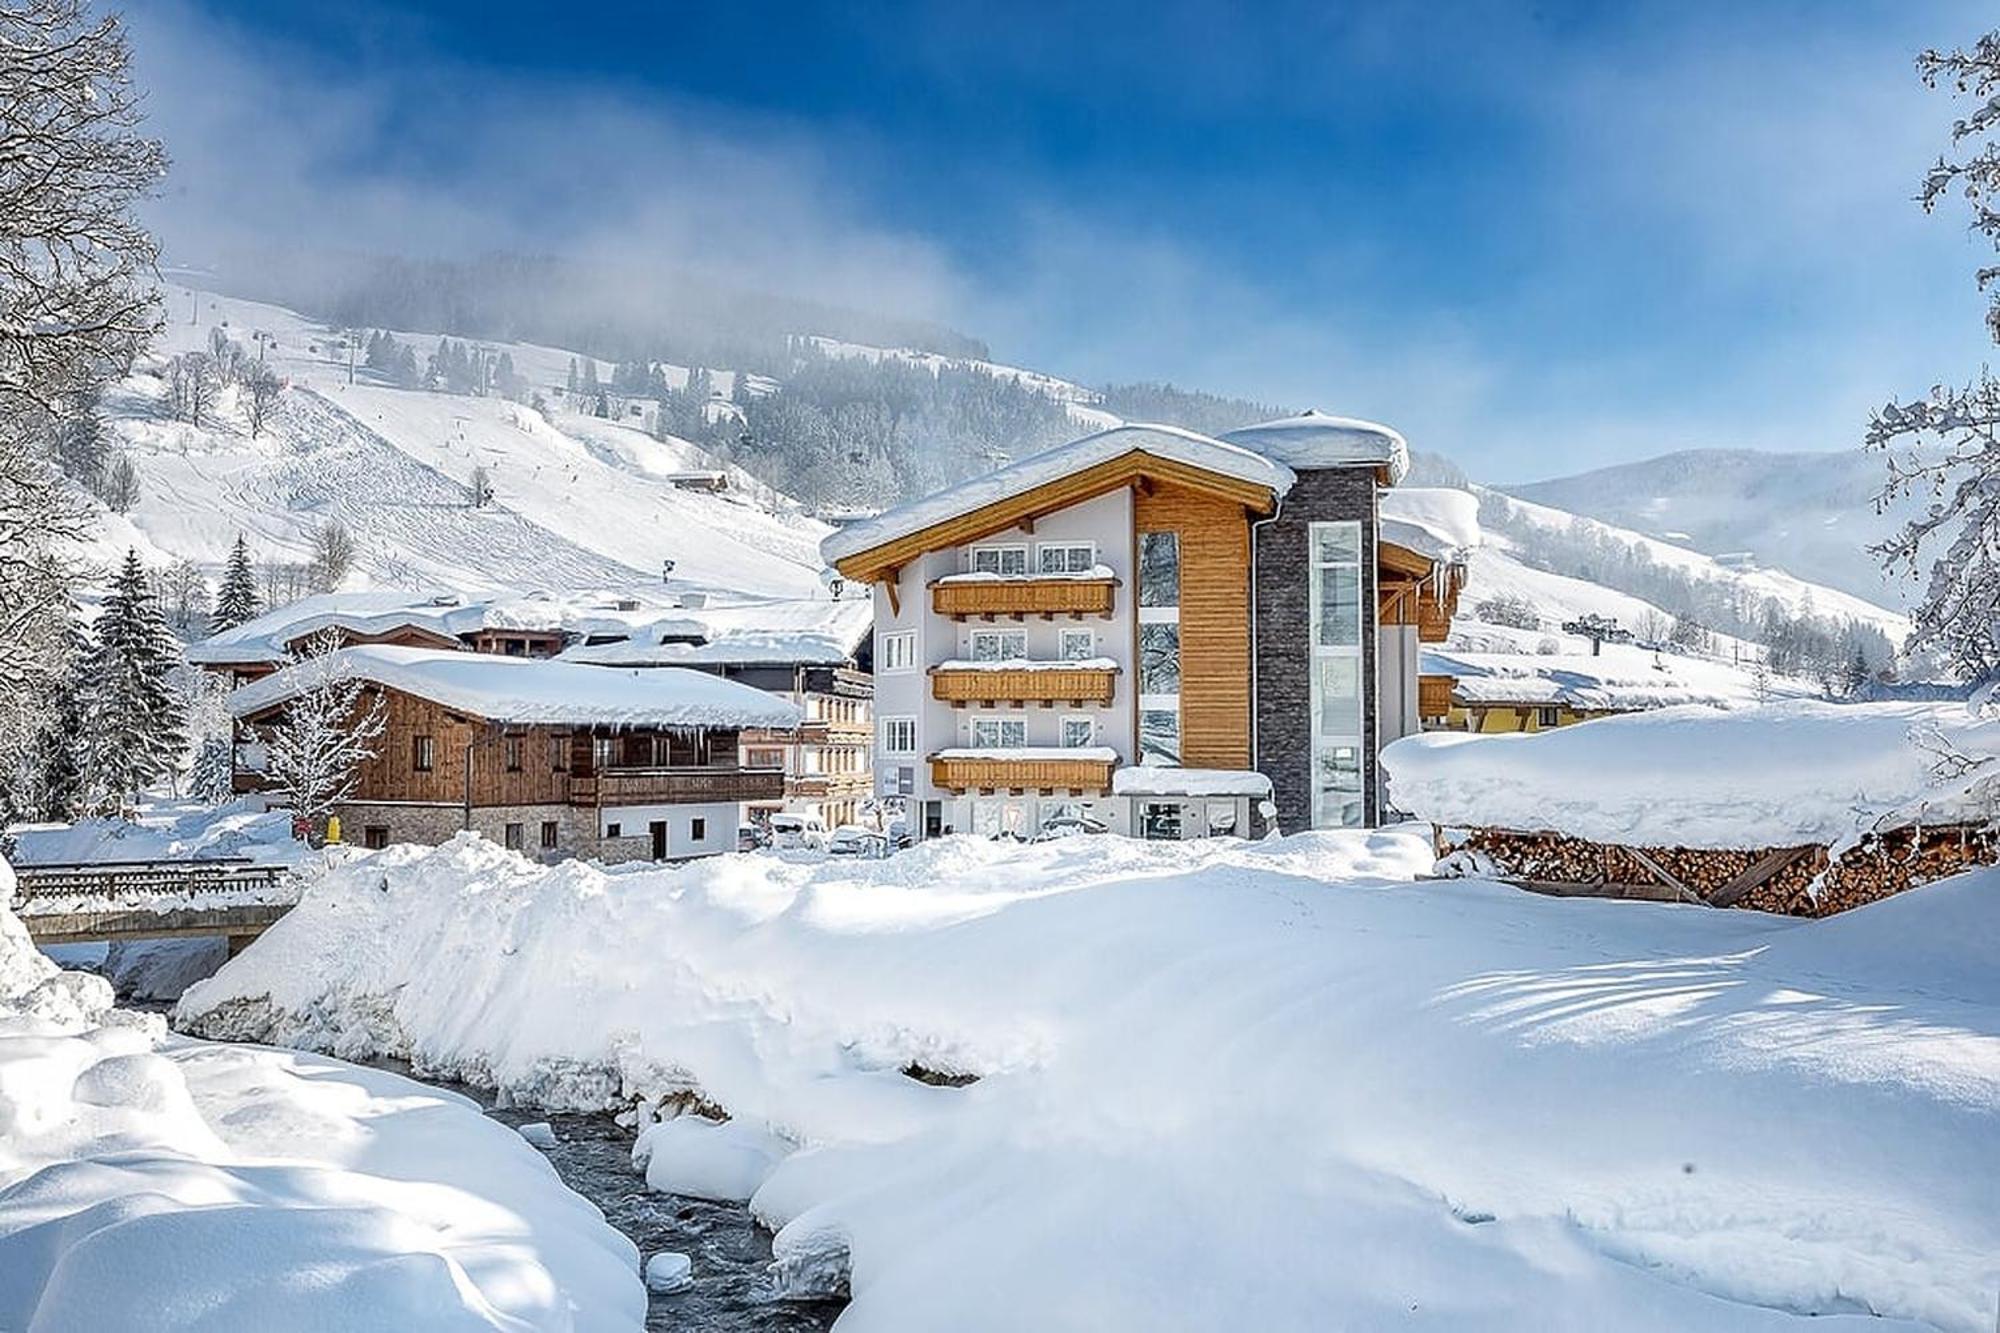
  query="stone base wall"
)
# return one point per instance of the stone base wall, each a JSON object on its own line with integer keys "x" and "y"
{"x": 1807, "y": 882}
{"x": 576, "y": 828}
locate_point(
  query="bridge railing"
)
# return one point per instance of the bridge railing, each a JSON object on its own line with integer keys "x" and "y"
{"x": 116, "y": 880}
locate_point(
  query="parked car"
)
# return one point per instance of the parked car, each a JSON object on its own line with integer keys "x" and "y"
{"x": 899, "y": 833}
{"x": 749, "y": 837}
{"x": 854, "y": 840}
{"x": 797, "y": 833}
{"x": 1070, "y": 826}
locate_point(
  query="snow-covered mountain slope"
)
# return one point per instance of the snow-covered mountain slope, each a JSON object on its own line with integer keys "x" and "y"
{"x": 1535, "y": 532}
{"x": 578, "y": 501}
{"x": 1810, "y": 513}
{"x": 1084, "y": 404}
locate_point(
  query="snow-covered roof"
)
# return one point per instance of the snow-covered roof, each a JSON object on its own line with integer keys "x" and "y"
{"x": 266, "y": 638}
{"x": 1168, "y": 442}
{"x": 1435, "y": 521}
{"x": 1150, "y": 780}
{"x": 1313, "y": 439}
{"x": 797, "y": 632}
{"x": 536, "y": 691}
{"x": 1624, "y": 682}
{"x": 1783, "y": 775}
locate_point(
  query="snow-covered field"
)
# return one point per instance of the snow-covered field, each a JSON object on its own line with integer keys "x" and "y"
{"x": 579, "y": 502}
{"x": 1278, "y": 1085}
{"x": 152, "y": 1183}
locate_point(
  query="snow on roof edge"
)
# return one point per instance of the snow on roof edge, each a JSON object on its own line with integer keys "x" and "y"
{"x": 531, "y": 691}
{"x": 1170, "y": 442}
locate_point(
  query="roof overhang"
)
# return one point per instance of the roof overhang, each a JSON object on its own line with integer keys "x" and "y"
{"x": 1136, "y": 469}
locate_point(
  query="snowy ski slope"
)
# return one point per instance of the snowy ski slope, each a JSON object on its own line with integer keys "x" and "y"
{"x": 579, "y": 502}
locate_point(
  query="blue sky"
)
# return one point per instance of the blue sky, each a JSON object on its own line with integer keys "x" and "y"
{"x": 1537, "y": 237}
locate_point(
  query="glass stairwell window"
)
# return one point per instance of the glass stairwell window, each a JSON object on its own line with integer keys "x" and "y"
{"x": 1160, "y": 648}
{"x": 1335, "y": 587}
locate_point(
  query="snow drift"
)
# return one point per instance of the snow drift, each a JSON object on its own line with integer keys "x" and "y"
{"x": 154, "y": 1183}
{"x": 1273, "y": 1085}
{"x": 1783, "y": 775}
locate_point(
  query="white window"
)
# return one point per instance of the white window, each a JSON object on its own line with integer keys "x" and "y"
{"x": 1078, "y": 731}
{"x": 899, "y": 735}
{"x": 899, "y": 652}
{"x": 1160, "y": 647}
{"x": 1334, "y": 609}
{"x": 999, "y": 733}
{"x": 999, "y": 559}
{"x": 999, "y": 645}
{"x": 1065, "y": 557}
{"x": 1078, "y": 644}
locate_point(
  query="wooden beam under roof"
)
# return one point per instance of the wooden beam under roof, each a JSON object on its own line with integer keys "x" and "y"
{"x": 1010, "y": 511}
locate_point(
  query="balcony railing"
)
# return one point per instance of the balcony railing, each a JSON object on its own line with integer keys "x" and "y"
{"x": 1086, "y": 773}
{"x": 672, "y": 786}
{"x": 1018, "y": 598}
{"x": 1046, "y": 683}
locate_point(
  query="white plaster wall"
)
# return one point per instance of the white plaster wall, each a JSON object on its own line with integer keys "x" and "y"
{"x": 1107, "y": 523}
{"x": 1396, "y": 682}
{"x": 635, "y": 821}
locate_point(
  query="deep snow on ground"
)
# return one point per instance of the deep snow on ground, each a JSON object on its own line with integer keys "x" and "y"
{"x": 1273, "y": 1085}
{"x": 1781, "y": 775}
{"x": 149, "y": 1182}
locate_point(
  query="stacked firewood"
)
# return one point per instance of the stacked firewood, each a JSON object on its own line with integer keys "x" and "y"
{"x": 1798, "y": 881}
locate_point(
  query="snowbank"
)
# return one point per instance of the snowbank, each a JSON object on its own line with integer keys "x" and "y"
{"x": 164, "y": 831}
{"x": 154, "y": 1183}
{"x": 1783, "y": 775}
{"x": 1221, "y": 1084}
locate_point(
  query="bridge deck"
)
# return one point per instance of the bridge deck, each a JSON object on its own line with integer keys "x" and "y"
{"x": 75, "y": 903}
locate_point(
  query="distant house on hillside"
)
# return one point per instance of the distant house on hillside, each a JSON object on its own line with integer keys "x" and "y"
{"x": 552, "y": 759}
{"x": 516, "y": 627}
{"x": 1513, "y": 692}
{"x": 1169, "y": 633}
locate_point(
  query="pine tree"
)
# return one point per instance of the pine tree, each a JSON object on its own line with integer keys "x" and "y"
{"x": 212, "y": 780}
{"x": 65, "y": 790}
{"x": 1858, "y": 675}
{"x": 236, "y": 601}
{"x": 572, "y": 377}
{"x": 134, "y": 728}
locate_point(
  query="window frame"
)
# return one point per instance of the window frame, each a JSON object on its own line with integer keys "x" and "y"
{"x": 1548, "y": 715}
{"x": 998, "y": 722}
{"x": 973, "y": 638}
{"x": 510, "y": 749}
{"x": 1328, "y": 746}
{"x": 1043, "y": 549}
{"x": 1063, "y": 725}
{"x": 999, "y": 550}
{"x": 423, "y": 754}
{"x": 1066, "y": 634}
{"x": 551, "y": 835}
{"x": 514, "y": 837}
{"x": 907, "y": 641}
{"x": 886, "y": 727}
{"x": 698, "y": 828}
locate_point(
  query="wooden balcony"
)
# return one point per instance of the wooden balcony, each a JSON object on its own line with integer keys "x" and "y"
{"x": 1047, "y": 684}
{"x": 675, "y": 786}
{"x": 1019, "y": 598}
{"x": 1434, "y": 695}
{"x": 819, "y": 786}
{"x": 1088, "y": 775}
